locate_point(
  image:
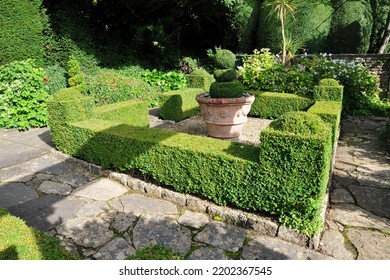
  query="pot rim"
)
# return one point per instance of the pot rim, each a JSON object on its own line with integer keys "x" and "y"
{"x": 236, "y": 100}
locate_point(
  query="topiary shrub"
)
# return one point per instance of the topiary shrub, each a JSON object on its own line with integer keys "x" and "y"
{"x": 230, "y": 89}
{"x": 225, "y": 59}
{"x": 76, "y": 77}
{"x": 226, "y": 85}
{"x": 351, "y": 27}
{"x": 23, "y": 94}
{"x": 21, "y": 31}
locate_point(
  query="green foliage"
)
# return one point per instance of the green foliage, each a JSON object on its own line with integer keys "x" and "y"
{"x": 23, "y": 94}
{"x": 330, "y": 112}
{"x": 299, "y": 123}
{"x": 350, "y": 27}
{"x": 155, "y": 252}
{"x": 311, "y": 25}
{"x": 261, "y": 71}
{"x": 21, "y": 31}
{"x": 200, "y": 79}
{"x": 165, "y": 81}
{"x": 225, "y": 59}
{"x": 225, "y": 75}
{"x": 76, "y": 76}
{"x": 188, "y": 65}
{"x": 180, "y": 104}
{"x": 328, "y": 89}
{"x": 271, "y": 105}
{"x": 361, "y": 91}
{"x": 56, "y": 78}
{"x": 128, "y": 112}
{"x": 111, "y": 86}
{"x": 226, "y": 89}
{"x": 20, "y": 242}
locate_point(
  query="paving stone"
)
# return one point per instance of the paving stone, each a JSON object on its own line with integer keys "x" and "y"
{"x": 269, "y": 248}
{"x": 13, "y": 153}
{"x": 102, "y": 189}
{"x": 75, "y": 179}
{"x": 223, "y": 236}
{"x": 193, "y": 219}
{"x": 70, "y": 247}
{"x": 116, "y": 249}
{"x": 375, "y": 200}
{"x": 15, "y": 174}
{"x": 86, "y": 231}
{"x": 333, "y": 244}
{"x": 93, "y": 209}
{"x": 44, "y": 176}
{"x": 177, "y": 198}
{"x": 343, "y": 177}
{"x": 139, "y": 204}
{"x": 348, "y": 214}
{"x": 262, "y": 225}
{"x": 373, "y": 180}
{"x": 46, "y": 164}
{"x": 49, "y": 187}
{"x": 341, "y": 196}
{"x": 371, "y": 245}
{"x": 46, "y": 212}
{"x": 12, "y": 194}
{"x": 206, "y": 253}
{"x": 161, "y": 230}
{"x": 123, "y": 222}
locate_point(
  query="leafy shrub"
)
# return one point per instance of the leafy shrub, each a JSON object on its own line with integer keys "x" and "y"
{"x": 165, "y": 81}
{"x": 56, "y": 78}
{"x": 225, "y": 59}
{"x": 23, "y": 94}
{"x": 76, "y": 77}
{"x": 188, "y": 64}
{"x": 361, "y": 92}
{"x": 262, "y": 71}
{"x": 109, "y": 86}
{"x": 21, "y": 31}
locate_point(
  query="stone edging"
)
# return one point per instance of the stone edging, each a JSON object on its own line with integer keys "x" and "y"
{"x": 258, "y": 223}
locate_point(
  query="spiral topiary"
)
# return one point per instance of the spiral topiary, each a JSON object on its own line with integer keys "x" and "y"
{"x": 226, "y": 84}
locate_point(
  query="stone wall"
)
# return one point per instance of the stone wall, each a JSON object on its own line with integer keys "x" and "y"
{"x": 379, "y": 65}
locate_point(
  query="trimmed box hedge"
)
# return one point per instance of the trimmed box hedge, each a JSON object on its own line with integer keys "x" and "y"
{"x": 179, "y": 104}
{"x": 330, "y": 112}
{"x": 271, "y": 105}
{"x": 200, "y": 79}
{"x": 286, "y": 176}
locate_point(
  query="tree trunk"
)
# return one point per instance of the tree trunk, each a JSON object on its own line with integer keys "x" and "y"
{"x": 386, "y": 36}
{"x": 284, "y": 40}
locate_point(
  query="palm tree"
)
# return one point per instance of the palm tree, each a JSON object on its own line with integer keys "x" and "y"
{"x": 281, "y": 8}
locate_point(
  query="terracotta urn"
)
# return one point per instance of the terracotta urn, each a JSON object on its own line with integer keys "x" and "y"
{"x": 225, "y": 117}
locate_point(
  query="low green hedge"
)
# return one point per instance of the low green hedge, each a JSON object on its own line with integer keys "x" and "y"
{"x": 286, "y": 175}
{"x": 128, "y": 112}
{"x": 271, "y": 105}
{"x": 330, "y": 112}
{"x": 20, "y": 242}
{"x": 179, "y": 104}
{"x": 328, "y": 90}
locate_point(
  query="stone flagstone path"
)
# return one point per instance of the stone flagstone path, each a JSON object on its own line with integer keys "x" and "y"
{"x": 97, "y": 217}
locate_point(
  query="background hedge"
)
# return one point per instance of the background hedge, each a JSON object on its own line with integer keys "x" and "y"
{"x": 271, "y": 105}
{"x": 21, "y": 31}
